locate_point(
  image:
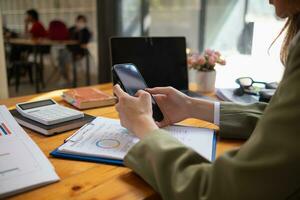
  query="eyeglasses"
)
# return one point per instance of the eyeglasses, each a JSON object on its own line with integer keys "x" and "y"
{"x": 249, "y": 86}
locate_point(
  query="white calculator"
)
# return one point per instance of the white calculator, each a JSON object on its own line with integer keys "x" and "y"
{"x": 48, "y": 112}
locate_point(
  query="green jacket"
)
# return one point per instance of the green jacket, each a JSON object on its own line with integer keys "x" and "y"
{"x": 266, "y": 167}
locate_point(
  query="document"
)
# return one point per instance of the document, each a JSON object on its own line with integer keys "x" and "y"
{"x": 106, "y": 138}
{"x": 202, "y": 140}
{"x": 22, "y": 164}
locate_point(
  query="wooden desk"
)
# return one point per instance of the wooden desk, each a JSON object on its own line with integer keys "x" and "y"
{"x": 85, "y": 180}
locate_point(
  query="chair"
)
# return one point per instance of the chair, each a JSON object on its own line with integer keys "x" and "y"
{"x": 58, "y": 31}
{"x": 17, "y": 67}
{"x": 80, "y": 51}
{"x": 16, "y": 70}
{"x": 75, "y": 59}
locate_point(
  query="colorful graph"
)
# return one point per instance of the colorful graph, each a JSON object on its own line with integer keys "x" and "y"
{"x": 4, "y": 130}
{"x": 108, "y": 143}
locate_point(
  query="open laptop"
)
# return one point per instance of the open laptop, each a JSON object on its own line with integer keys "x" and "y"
{"x": 162, "y": 61}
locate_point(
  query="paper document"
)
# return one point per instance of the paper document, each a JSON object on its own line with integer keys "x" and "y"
{"x": 22, "y": 164}
{"x": 200, "y": 139}
{"x": 106, "y": 138}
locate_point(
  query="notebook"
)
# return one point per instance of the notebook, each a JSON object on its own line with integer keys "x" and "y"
{"x": 23, "y": 165}
{"x": 51, "y": 129}
{"x": 86, "y": 97}
{"x": 105, "y": 140}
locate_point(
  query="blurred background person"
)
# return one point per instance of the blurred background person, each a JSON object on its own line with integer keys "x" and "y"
{"x": 81, "y": 33}
{"x": 33, "y": 27}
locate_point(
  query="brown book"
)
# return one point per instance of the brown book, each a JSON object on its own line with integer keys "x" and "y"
{"x": 86, "y": 97}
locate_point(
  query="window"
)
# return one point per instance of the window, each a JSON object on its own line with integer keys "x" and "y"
{"x": 241, "y": 30}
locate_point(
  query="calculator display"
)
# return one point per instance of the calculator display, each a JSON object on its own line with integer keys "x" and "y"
{"x": 36, "y": 104}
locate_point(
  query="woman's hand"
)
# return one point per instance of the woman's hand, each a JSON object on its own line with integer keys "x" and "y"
{"x": 174, "y": 105}
{"x": 135, "y": 112}
{"x": 177, "y": 106}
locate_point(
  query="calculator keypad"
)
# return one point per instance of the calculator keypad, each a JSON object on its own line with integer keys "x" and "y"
{"x": 53, "y": 113}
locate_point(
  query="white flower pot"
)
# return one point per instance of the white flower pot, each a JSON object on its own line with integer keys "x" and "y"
{"x": 206, "y": 81}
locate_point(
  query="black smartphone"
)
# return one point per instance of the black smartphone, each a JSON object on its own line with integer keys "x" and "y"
{"x": 131, "y": 80}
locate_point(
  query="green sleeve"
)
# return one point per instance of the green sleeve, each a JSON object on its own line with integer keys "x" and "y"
{"x": 265, "y": 167}
{"x": 169, "y": 167}
{"x": 238, "y": 121}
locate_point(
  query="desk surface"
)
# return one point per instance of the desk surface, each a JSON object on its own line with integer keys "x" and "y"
{"x": 85, "y": 180}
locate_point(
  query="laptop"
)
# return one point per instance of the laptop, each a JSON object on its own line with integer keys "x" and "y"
{"x": 162, "y": 61}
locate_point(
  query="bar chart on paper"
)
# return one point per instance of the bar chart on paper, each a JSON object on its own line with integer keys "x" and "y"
{"x": 16, "y": 161}
{"x": 13, "y": 161}
{"x": 22, "y": 164}
{"x": 4, "y": 130}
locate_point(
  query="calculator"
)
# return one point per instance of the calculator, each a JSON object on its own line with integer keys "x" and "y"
{"x": 48, "y": 112}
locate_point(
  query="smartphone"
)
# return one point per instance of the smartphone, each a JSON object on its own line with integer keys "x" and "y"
{"x": 131, "y": 81}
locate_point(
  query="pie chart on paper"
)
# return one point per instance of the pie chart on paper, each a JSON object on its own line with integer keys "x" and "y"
{"x": 108, "y": 143}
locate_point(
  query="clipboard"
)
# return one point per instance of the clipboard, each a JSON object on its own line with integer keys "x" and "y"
{"x": 56, "y": 153}
{"x": 84, "y": 134}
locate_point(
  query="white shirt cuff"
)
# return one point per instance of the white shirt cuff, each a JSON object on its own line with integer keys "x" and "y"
{"x": 217, "y": 113}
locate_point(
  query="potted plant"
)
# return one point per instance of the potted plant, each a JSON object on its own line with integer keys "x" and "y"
{"x": 205, "y": 64}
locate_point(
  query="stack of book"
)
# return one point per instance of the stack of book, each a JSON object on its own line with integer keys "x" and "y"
{"x": 86, "y": 97}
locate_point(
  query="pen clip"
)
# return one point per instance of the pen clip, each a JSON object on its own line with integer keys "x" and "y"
{"x": 80, "y": 131}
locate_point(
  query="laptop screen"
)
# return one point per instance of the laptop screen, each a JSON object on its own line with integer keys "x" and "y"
{"x": 161, "y": 60}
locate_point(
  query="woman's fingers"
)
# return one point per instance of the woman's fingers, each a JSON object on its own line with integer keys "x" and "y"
{"x": 117, "y": 106}
{"x": 118, "y": 91}
{"x": 160, "y": 99}
{"x": 159, "y": 90}
{"x": 140, "y": 93}
{"x": 160, "y": 96}
{"x": 162, "y": 124}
